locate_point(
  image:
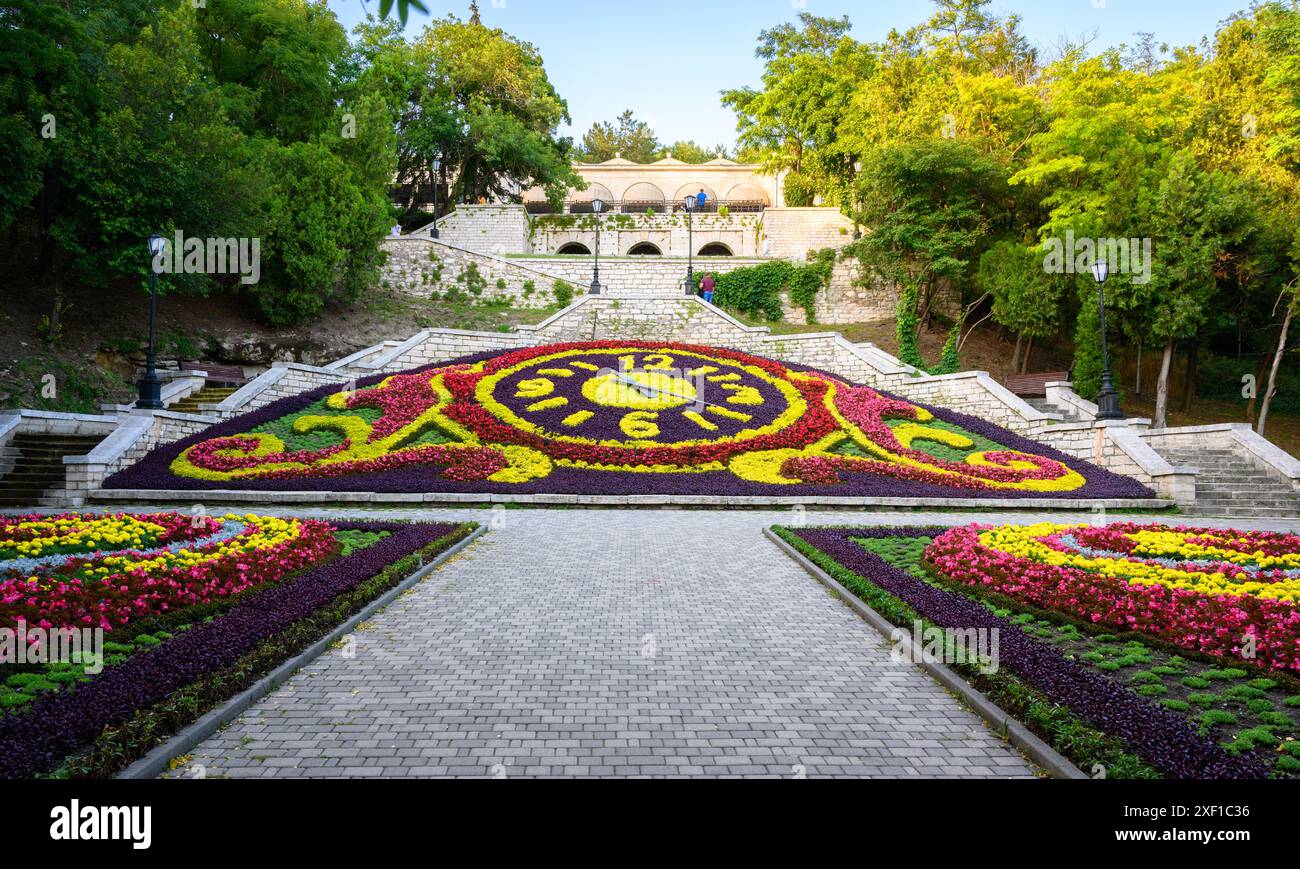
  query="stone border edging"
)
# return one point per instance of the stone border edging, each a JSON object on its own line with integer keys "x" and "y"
{"x": 452, "y": 499}
{"x": 1055, "y": 763}
{"x": 187, "y": 738}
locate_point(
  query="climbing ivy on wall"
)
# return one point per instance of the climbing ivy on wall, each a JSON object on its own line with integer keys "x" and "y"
{"x": 756, "y": 290}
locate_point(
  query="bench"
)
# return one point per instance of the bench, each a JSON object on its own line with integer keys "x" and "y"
{"x": 218, "y": 375}
{"x": 1033, "y": 385}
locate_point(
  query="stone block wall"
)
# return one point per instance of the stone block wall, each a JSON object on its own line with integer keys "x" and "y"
{"x": 789, "y": 233}
{"x": 977, "y": 394}
{"x": 422, "y": 266}
{"x": 673, "y": 318}
{"x": 486, "y": 228}
{"x": 634, "y": 276}
{"x": 439, "y": 345}
{"x": 741, "y": 233}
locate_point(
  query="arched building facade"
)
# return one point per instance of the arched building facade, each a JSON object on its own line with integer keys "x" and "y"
{"x": 662, "y": 187}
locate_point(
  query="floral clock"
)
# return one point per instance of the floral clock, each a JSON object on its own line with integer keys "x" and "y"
{"x": 619, "y": 411}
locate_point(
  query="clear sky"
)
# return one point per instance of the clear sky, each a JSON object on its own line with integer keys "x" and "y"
{"x": 668, "y": 59}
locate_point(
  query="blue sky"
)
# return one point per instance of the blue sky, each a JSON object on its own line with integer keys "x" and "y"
{"x": 668, "y": 59}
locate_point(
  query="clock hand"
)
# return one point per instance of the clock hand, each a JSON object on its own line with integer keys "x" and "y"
{"x": 653, "y": 391}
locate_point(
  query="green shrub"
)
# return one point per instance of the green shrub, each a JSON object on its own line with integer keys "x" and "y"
{"x": 756, "y": 291}
{"x": 563, "y": 291}
{"x": 1213, "y": 717}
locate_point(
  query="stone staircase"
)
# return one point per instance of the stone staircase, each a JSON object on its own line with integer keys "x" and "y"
{"x": 33, "y": 465}
{"x": 1229, "y": 486}
{"x": 206, "y": 395}
{"x": 1042, "y": 405}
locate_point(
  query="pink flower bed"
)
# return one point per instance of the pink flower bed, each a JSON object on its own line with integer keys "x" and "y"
{"x": 1213, "y": 623}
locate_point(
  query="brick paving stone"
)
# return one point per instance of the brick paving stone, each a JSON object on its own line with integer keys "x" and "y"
{"x": 630, "y": 643}
{"x": 611, "y": 643}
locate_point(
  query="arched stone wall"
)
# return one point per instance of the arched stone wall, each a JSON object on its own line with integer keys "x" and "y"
{"x": 747, "y": 191}
{"x": 643, "y": 195}
{"x": 692, "y": 189}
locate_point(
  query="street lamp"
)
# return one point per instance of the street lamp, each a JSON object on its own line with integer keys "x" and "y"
{"x": 437, "y": 168}
{"x": 596, "y": 207}
{"x": 1108, "y": 400}
{"x": 150, "y": 397}
{"x": 690, "y": 245}
{"x": 857, "y": 228}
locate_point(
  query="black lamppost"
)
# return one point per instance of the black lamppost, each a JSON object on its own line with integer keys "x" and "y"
{"x": 437, "y": 167}
{"x": 150, "y": 397}
{"x": 690, "y": 245}
{"x": 1108, "y": 400}
{"x": 596, "y": 207}
{"x": 857, "y": 228}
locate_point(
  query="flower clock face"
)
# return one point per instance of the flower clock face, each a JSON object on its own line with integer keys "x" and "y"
{"x": 625, "y": 417}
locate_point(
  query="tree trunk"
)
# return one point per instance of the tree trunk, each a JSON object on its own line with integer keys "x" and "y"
{"x": 1277, "y": 363}
{"x": 1138, "y": 389}
{"x": 1189, "y": 382}
{"x": 1029, "y": 351}
{"x": 1015, "y": 356}
{"x": 1162, "y": 386}
{"x": 56, "y": 312}
{"x": 1252, "y": 405}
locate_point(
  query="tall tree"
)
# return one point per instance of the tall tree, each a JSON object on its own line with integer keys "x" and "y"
{"x": 931, "y": 207}
{"x": 625, "y": 137}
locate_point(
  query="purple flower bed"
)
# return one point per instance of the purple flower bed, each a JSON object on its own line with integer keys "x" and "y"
{"x": 1159, "y": 736}
{"x": 153, "y": 472}
{"x": 53, "y": 727}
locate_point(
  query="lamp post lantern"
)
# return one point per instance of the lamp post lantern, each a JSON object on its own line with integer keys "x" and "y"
{"x": 596, "y": 207}
{"x": 691, "y": 202}
{"x": 150, "y": 394}
{"x": 1108, "y": 400}
{"x": 437, "y": 168}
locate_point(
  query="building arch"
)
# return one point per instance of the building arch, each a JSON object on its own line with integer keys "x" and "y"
{"x": 642, "y": 196}
{"x": 693, "y": 189}
{"x": 715, "y": 248}
{"x": 580, "y": 201}
{"x": 749, "y": 193}
{"x": 644, "y": 248}
{"x": 574, "y": 248}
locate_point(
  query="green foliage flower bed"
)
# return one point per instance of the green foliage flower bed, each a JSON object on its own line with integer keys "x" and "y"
{"x": 1238, "y": 719}
{"x": 223, "y": 621}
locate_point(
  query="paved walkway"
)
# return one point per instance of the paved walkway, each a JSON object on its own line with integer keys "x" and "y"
{"x": 618, "y": 643}
{"x": 612, "y": 643}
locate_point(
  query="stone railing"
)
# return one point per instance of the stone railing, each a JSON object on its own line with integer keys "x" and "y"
{"x": 1237, "y": 438}
{"x": 282, "y": 380}
{"x": 133, "y": 437}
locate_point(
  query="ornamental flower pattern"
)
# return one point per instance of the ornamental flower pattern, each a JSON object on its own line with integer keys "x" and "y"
{"x": 616, "y": 417}
{"x": 109, "y": 575}
{"x": 1232, "y": 594}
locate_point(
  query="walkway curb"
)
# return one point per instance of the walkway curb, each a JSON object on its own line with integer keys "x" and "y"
{"x": 1055, "y": 763}
{"x": 187, "y": 738}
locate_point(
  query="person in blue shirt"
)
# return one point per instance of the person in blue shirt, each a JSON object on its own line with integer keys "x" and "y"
{"x": 701, "y": 200}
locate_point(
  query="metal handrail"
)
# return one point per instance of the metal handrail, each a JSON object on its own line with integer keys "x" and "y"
{"x": 574, "y": 206}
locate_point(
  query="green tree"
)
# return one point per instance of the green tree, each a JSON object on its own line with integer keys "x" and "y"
{"x": 1026, "y": 299}
{"x": 689, "y": 152}
{"x": 812, "y": 71}
{"x": 488, "y": 109}
{"x": 1196, "y": 218}
{"x": 625, "y": 136}
{"x": 930, "y": 207}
